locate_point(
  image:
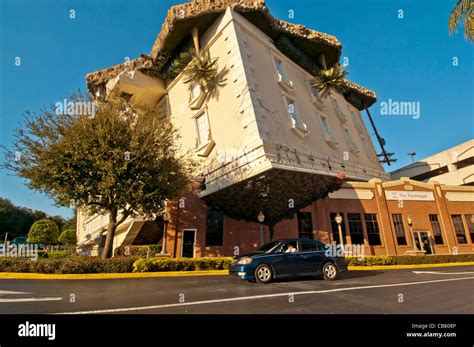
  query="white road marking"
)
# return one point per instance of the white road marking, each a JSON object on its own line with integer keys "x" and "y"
{"x": 443, "y": 273}
{"x": 30, "y": 299}
{"x": 7, "y": 292}
{"x": 265, "y": 296}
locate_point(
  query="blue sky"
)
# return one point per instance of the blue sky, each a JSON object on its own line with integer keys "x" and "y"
{"x": 409, "y": 59}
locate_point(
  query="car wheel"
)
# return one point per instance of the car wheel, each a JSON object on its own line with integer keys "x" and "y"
{"x": 263, "y": 274}
{"x": 330, "y": 271}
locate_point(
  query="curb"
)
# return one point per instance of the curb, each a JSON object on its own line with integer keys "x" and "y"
{"x": 105, "y": 276}
{"x": 412, "y": 266}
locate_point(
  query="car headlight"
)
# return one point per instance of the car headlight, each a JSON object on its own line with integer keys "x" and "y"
{"x": 244, "y": 261}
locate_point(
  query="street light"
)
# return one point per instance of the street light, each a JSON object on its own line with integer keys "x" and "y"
{"x": 261, "y": 218}
{"x": 338, "y": 220}
{"x": 410, "y": 224}
{"x": 166, "y": 219}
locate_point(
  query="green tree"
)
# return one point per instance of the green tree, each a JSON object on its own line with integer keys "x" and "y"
{"x": 462, "y": 13}
{"x": 43, "y": 231}
{"x": 68, "y": 237}
{"x": 16, "y": 220}
{"x": 120, "y": 161}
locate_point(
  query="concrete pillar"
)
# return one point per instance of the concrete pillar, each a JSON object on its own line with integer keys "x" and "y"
{"x": 387, "y": 233}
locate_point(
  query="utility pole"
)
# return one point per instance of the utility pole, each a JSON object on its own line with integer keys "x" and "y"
{"x": 385, "y": 156}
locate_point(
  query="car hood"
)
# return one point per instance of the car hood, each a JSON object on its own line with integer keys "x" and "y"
{"x": 250, "y": 255}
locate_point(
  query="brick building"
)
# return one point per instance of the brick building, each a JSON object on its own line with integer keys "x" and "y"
{"x": 375, "y": 214}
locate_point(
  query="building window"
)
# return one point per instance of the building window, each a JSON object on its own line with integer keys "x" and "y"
{"x": 470, "y": 225}
{"x": 335, "y": 229}
{"x": 328, "y": 135}
{"x": 350, "y": 142}
{"x": 436, "y": 227}
{"x": 196, "y": 97}
{"x": 282, "y": 77}
{"x": 305, "y": 225}
{"x": 373, "y": 233}
{"x": 214, "y": 228}
{"x": 357, "y": 122}
{"x": 195, "y": 92}
{"x": 459, "y": 228}
{"x": 355, "y": 228}
{"x": 202, "y": 126}
{"x": 337, "y": 110}
{"x": 368, "y": 148}
{"x": 297, "y": 122}
{"x": 315, "y": 97}
{"x": 399, "y": 229}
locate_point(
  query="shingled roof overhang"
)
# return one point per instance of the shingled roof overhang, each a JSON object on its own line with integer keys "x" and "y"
{"x": 202, "y": 13}
{"x": 358, "y": 96}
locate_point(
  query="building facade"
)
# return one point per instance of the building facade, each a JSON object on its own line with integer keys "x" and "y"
{"x": 402, "y": 217}
{"x": 269, "y": 145}
{"x": 454, "y": 166}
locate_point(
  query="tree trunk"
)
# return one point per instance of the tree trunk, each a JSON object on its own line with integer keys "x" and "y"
{"x": 109, "y": 241}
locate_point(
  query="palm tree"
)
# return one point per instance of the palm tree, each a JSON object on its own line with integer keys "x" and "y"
{"x": 334, "y": 79}
{"x": 330, "y": 79}
{"x": 202, "y": 71}
{"x": 462, "y": 12}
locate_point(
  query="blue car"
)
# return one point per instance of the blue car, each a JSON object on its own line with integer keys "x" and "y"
{"x": 289, "y": 258}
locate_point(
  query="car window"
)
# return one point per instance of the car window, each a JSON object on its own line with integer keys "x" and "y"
{"x": 308, "y": 246}
{"x": 290, "y": 247}
{"x": 320, "y": 246}
{"x": 269, "y": 246}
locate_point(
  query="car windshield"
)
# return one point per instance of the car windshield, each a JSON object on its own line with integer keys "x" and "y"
{"x": 269, "y": 246}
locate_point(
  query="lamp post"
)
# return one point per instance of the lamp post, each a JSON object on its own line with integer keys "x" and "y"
{"x": 261, "y": 218}
{"x": 166, "y": 219}
{"x": 410, "y": 225}
{"x": 338, "y": 220}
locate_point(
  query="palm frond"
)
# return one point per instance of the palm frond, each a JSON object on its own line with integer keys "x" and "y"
{"x": 330, "y": 79}
{"x": 202, "y": 70}
{"x": 462, "y": 12}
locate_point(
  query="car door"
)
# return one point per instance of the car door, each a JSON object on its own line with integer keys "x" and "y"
{"x": 286, "y": 264}
{"x": 312, "y": 256}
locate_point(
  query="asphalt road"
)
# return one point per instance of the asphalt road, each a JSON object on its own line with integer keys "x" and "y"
{"x": 434, "y": 290}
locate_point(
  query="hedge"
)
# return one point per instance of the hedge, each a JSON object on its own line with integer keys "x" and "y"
{"x": 141, "y": 251}
{"x": 181, "y": 264}
{"x": 74, "y": 265}
{"x": 55, "y": 254}
{"x": 408, "y": 260}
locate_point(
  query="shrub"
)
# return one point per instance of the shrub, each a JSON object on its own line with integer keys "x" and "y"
{"x": 181, "y": 264}
{"x": 43, "y": 231}
{"x": 68, "y": 237}
{"x": 408, "y": 260}
{"x": 59, "y": 255}
{"x": 141, "y": 251}
{"x": 72, "y": 265}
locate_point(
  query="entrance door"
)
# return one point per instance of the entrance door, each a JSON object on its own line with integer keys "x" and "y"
{"x": 187, "y": 245}
{"x": 422, "y": 241}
